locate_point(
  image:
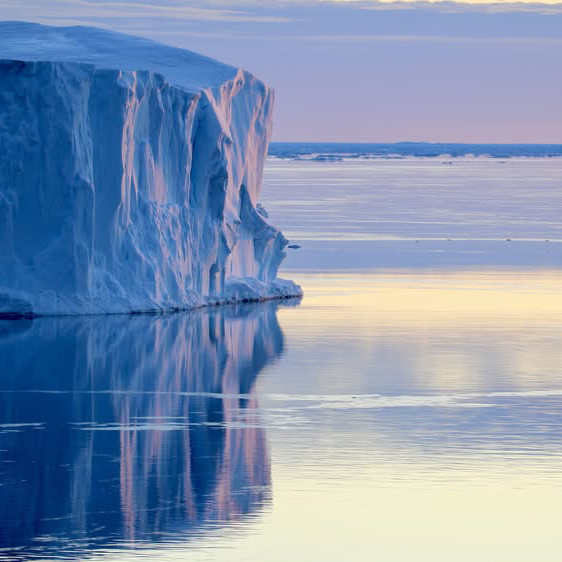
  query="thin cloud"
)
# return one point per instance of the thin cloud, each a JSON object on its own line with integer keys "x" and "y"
{"x": 15, "y": 9}
{"x": 397, "y": 38}
{"x": 408, "y": 38}
{"x": 444, "y": 6}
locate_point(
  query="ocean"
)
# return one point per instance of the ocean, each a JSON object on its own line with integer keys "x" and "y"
{"x": 408, "y": 408}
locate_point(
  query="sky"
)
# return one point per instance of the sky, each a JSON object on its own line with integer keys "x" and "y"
{"x": 364, "y": 71}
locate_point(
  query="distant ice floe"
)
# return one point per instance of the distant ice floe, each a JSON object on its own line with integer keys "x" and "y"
{"x": 337, "y": 152}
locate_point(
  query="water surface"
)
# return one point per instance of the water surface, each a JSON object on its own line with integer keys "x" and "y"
{"x": 406, "y": 409}
{"x": 418, "y": 212}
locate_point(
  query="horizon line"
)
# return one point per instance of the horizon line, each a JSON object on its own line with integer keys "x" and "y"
{"x": 424, "y": 142}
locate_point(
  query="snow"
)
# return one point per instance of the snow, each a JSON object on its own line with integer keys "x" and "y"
{"x": 129, "y": 176}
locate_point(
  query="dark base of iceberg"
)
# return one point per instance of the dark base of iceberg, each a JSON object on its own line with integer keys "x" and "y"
{"x": 11, "y": 307}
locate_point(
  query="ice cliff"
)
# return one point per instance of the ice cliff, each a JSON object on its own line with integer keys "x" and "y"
{"x": 130, "y": 173}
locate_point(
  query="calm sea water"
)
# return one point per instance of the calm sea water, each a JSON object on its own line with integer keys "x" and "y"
{"x": 418, "y": 212}
{"x": 408, "y": 409}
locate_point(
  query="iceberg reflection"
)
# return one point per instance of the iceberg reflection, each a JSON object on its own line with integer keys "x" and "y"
{"x": 118, "y": 430}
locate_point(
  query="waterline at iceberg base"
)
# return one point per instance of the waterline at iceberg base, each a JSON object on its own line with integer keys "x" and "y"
{"x": 129, "y": 176}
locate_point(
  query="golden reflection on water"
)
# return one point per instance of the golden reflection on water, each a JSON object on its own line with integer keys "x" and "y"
{"x": 435, "y": 404}
{"x": 448, "y": 331}
{"x": 428, "y": 298}
{"x": 398, "y": 416}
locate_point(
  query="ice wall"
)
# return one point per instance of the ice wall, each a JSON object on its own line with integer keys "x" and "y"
{"x": 129, "y": 176}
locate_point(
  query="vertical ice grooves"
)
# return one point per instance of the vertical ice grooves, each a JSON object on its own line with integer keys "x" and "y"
{"x": 121, "y": 192}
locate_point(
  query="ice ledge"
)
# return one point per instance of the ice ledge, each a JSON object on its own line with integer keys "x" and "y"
{"x": 237, "y": 291}
{"x": 249, "y": 289}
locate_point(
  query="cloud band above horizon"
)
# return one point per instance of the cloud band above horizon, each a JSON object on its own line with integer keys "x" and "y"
{"x": 365, "y": 70}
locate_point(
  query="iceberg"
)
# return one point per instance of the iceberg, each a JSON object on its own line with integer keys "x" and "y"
{"x": 130, "y": 173}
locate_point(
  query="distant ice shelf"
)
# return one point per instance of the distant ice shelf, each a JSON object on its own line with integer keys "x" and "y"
{"x": 130, "y": 173}
{"x": 337, "y": 152}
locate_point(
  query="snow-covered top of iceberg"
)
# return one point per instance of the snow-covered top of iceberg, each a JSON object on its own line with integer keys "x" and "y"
{"x": 107, "y": 49}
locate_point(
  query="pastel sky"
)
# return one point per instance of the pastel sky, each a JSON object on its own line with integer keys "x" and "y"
{"x": 365, "y": 70}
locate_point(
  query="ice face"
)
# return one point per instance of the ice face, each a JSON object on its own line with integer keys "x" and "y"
{"x": 129, "y": 176}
